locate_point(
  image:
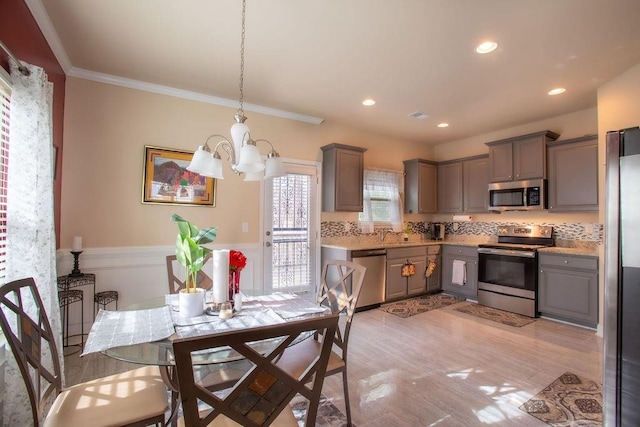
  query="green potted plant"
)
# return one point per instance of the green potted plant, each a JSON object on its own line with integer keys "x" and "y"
{"x": 191, "y": 254}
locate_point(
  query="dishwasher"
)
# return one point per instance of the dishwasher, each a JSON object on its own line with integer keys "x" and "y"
{"x": 373, "y": 287}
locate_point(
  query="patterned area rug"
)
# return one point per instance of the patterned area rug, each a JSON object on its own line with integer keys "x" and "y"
{"x": 418, "y": 305}
{"x": 568, "y": 401}
{"x": 504, "y": 317}
{"x": 328, "y": 414}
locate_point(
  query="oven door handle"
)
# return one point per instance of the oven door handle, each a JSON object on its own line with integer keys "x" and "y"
{"x": 507, "y": 252}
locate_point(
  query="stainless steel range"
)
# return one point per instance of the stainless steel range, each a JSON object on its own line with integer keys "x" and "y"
{"x": 508, "y": 270}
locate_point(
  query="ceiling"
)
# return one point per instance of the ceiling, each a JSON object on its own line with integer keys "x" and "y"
{"x": 321, "y": 58}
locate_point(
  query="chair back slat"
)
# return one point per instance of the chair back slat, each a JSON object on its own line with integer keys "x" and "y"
{"x": 339, "y": 290}
{"x": 258, "y": 397}
{"x": 28, "y": 331}
{"x": 176, "y": 284}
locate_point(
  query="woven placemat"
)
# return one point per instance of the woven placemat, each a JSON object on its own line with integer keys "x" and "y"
{"x": 570, "y": 400}
{"x": 417, "y": 305}
{"x": 489, "y": 313}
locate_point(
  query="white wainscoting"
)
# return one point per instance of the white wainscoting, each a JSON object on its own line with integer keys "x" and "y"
{"x": 138, "y": 274}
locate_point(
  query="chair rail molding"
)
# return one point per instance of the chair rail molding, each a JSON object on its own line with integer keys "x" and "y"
{"x": 139, "y": 273}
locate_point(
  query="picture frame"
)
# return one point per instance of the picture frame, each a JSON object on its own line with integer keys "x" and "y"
{"x": 167, "y": 181}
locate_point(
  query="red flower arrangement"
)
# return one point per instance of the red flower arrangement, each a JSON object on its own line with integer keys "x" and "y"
{"x": 237, "y": 261}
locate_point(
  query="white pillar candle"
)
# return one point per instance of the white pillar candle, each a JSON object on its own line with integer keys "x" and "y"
{"x": 220, "y": 275}
{"x": 77, "y": 244}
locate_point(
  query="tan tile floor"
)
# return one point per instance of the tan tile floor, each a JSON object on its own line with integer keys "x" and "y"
{"x": 440, "y": 368}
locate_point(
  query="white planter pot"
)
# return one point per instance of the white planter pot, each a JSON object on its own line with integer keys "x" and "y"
{"x": 191, "y": 304}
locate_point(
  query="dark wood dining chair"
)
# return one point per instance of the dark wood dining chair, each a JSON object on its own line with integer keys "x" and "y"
{"x": 339, "y": 289}
{"x": 203, "y": 280}
{"x": 133, "y": 398}
{"x": 261, "y": 396}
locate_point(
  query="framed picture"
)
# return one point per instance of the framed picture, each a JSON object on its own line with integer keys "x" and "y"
{"x": 167, "y": 181}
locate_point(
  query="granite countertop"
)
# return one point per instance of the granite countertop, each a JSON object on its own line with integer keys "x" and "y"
{"x": 570, "y": 251}
{"x": 363, "y": 243}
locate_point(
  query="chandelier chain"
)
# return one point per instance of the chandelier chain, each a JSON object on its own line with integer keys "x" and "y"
{"x": 240, "y": 110}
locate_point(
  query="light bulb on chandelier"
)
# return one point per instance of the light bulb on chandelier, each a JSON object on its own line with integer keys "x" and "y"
{"x": 242, "y": 153}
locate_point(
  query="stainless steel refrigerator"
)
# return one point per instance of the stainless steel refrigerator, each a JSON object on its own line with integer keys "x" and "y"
{"x": 621, "y": 378}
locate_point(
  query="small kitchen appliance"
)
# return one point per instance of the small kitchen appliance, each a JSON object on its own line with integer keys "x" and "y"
{"x": 437, "y": 231}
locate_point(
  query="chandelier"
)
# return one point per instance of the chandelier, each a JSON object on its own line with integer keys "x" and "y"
{"x": 242, "y": 154}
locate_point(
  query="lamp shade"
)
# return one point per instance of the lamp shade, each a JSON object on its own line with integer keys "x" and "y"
{"x": 274, "y": 167}
{"x": 200, "y": 162}
{"x": 216, "y": 168}
{"x": 250, "y": 160}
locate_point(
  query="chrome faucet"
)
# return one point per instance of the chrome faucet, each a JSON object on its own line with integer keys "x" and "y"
{"x": 383, "y": 234}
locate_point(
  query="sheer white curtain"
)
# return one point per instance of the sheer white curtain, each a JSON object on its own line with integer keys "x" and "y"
{"x": 383, "y": 184}
{"x": 31, "y": 236}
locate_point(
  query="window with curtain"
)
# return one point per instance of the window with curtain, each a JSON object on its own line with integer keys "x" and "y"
{"x": 382, "y": 200}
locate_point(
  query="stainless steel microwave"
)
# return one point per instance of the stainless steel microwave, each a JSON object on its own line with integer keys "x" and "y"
{"x": 518, "y": 195}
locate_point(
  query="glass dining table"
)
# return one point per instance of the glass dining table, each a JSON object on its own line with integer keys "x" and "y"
{"x": 261, "y": 310}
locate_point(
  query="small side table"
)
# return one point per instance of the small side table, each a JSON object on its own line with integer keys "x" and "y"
{"x": 65, "y": 283}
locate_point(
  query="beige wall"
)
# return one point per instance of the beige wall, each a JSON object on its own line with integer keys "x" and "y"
{"x": 568, "y": 126}
{"x": 105, "y": 131}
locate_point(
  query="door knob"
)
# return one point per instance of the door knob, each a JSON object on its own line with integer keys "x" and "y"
{"x": 267, "y": 244}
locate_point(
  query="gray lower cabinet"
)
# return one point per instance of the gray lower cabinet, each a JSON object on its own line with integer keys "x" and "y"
{"x": 568, "y": 288}
{"x": 573, "y": 174}
{"x": 433, "y": 280}
{"x": 398, "y": 286}
{"x": 468, "y": 254}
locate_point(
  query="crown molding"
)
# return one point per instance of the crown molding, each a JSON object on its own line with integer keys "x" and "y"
{"x": 186, "y": 94}
{"x": 42, "y": 18}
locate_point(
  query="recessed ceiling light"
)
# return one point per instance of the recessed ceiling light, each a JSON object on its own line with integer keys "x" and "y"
{"x": 486, "y": 47}
{"x": 443, "y": 125}
{"x": 369, "y": 102}
{"x": 556, "y": 91}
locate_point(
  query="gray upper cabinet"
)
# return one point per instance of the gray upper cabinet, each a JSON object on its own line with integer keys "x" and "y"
{"x": 462, "y": 185}
{"x": 342, "y": 178}
{"x": 450, "y": 187}
{"x": 420, "y": 186}
{"x": 522, "y": 157}
{"x": 476, "y": 181}
{"x": 573, "y": 174}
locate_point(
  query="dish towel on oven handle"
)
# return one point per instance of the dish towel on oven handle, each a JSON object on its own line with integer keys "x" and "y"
{"x": 459, "y": 274}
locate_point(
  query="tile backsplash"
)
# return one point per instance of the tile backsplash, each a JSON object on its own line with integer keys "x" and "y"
{"x": 565, "y": 234}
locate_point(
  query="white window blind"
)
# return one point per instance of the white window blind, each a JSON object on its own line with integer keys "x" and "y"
{"x": 5, "y": 101}
{"x": 382, "y": 203}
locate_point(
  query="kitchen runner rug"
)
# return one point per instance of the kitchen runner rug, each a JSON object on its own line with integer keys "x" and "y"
{"x": 504, "y": 317}
{"x": 418, "y": 305}
{"x": 570, "y": 400}
{"x": 328, "y": 414}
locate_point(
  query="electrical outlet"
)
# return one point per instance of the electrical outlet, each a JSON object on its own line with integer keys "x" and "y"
{"x": 588, "y": 228}
{"x": 245, "y": 227}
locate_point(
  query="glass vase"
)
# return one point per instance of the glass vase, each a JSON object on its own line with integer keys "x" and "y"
{"x": 234, "y": 284}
